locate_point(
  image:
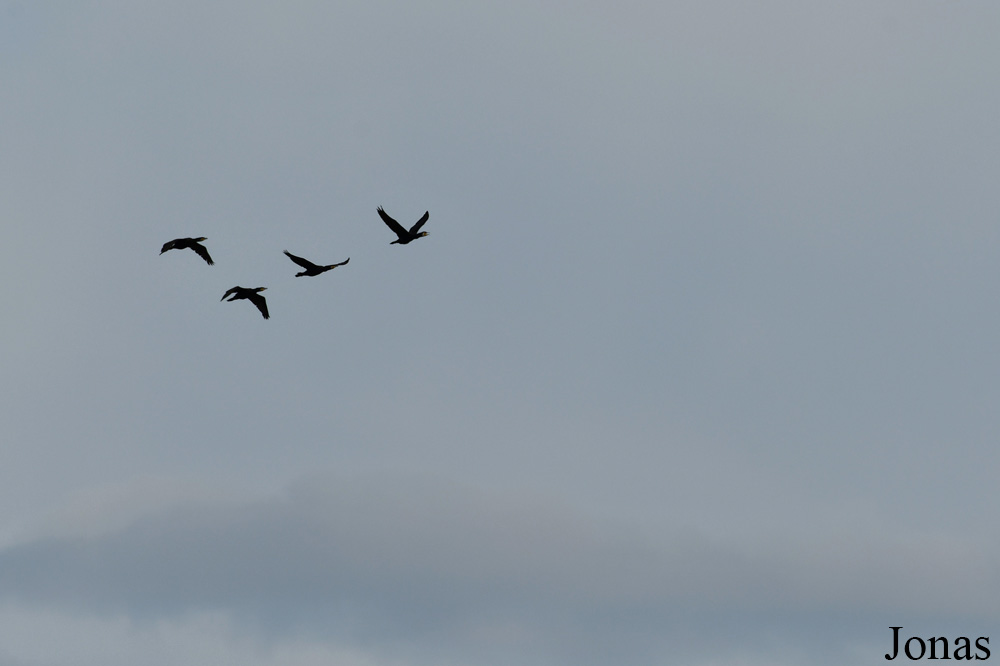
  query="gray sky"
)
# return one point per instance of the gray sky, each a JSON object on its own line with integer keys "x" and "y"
{"x": 697, "y": 366}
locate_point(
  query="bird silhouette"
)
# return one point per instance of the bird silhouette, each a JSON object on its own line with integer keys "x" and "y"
{"x": 405, "y": 236}
{"x": 312, "y": 269}
{"x": 190, "y": 244}
{"x": 252, "y": 295}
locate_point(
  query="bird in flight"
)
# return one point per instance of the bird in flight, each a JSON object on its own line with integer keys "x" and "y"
{"x": 404, "y": 235}
{"x": 312, "y": 269}
{"x": 189, "y": 243}
{"x": 252, "y": 295}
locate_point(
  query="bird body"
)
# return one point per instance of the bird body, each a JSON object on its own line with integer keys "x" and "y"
{"x": 312, "y": 269}
{"x": 404, "y": 235}
{"x": 189, "y": 244}
{"x": 252, "y": 295}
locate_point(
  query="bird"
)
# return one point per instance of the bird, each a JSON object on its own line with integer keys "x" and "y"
{"x": 252, "y": 295}
{"x": 404, "y": 235}
{"x": 312, "y": 269}
{"x": 189, "y": 243}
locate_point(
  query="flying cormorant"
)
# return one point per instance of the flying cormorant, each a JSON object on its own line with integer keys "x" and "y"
{"x": 189, "y": 243}
{"x": 251, "y": 295}
{"x": 404, "y": 235}
{"x": 312, "y": 269}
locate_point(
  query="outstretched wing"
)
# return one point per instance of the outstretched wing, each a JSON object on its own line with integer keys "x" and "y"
{"x": 396, "y": 227}
{"x": 261, "y": 304}
{"x": 231, "y": 291}
{"x": 304, "y": 263}
{"x": 420, "y": 223}
{"x": 202, "y": 252}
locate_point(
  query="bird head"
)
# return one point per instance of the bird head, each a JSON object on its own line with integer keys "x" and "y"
{"x": 203, "y": 238}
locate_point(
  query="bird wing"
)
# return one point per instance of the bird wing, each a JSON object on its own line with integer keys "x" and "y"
{"x": 304, "y": 263}
{"x": 260, "y": 302}
{"x": 202, "y": 252}
{"x": 396, "y": 227}
{"x": 416, "y": 227}
{"x": 231, "y": 291}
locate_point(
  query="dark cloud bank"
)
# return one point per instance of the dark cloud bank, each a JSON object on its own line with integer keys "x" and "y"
{"x": 445, "y": 572}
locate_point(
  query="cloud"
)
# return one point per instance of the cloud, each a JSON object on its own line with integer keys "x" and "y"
{"x": 428, "y": 567}
{"x": 197, "y": 639}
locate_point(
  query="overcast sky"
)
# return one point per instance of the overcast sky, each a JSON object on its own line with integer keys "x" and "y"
{"x": 698, "y": 365}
